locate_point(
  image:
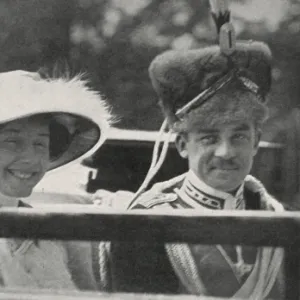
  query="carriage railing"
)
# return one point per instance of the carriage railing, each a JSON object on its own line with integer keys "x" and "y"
{"x": 217, "y": 227}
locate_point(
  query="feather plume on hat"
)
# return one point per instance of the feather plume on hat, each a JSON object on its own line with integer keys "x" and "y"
{"x": 220, "y": 12}
{"x": 221, "y": 15}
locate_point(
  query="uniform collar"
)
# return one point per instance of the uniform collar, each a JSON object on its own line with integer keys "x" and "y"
{"x": 199, "y": 194}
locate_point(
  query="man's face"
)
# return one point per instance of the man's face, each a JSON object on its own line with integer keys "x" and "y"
{"x": 221, "y": 156}
{"x": 24, "y": 155}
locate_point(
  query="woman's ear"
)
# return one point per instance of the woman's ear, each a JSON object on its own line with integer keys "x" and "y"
{"x": 181, "y": 145}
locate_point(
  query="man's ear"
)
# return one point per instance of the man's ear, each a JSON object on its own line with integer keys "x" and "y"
{"x": 181, "y": 145}
{"x": 258, "y": 134}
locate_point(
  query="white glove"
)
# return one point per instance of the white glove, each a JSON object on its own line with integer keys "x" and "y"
{"x": 118, "y": 200}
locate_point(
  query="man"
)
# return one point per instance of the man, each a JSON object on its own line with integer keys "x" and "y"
{"x": 214, "y": 100}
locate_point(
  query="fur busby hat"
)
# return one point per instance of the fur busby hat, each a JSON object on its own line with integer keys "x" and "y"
{"x": 208, "y": 86}
{"x": 78, "y": 116}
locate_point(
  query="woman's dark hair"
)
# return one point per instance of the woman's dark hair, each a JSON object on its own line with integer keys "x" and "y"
{"x": 60, "y": 139}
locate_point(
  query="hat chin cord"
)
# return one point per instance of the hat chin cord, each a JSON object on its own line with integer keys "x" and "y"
{"x": 157, "y": 160}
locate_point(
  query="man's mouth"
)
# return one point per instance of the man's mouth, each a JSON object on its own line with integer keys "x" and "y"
{"x": 226, "y": 169}
{"x": 24, "y": 175}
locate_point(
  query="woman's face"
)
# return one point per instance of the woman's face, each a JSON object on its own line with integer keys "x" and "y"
{"x": 24, "y": 155}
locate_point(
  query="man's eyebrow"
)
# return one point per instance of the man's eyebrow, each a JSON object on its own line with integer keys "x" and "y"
{"x": 242, "y": 127}
{"x": 207, "y": 130}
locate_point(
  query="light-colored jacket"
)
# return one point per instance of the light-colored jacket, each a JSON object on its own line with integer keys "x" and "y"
{"x": 48, "y": 264}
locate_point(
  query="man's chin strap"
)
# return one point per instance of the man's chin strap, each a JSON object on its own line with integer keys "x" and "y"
{"x": 205, "y": 95}
{"x": 157, "y": 160}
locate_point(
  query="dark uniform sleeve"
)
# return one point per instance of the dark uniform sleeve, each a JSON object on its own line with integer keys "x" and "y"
{"x": 142, "y": 268}
{"x": 138, "y": 267}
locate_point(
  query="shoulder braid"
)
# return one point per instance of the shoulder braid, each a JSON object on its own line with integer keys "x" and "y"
{"x": 152, "y": 199}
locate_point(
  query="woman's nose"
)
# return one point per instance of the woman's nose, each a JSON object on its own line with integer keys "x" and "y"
{"x": 28, "y": 153}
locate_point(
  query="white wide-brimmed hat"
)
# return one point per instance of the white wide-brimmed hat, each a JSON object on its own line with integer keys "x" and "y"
{"x": 80, "y": 116}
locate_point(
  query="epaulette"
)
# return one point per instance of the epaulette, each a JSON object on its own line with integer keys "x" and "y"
{"x": 150, "y": 199}
{"x": 168, "y": 186}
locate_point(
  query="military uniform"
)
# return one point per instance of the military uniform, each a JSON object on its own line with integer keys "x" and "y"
{"x": 212, "y": 270}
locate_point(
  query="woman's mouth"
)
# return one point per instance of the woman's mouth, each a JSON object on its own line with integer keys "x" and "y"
{"x": 23, "y": 175}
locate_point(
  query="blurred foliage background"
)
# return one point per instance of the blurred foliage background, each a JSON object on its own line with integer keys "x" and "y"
{"x": 114, "y": 41}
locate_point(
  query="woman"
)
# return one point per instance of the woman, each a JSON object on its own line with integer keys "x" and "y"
{"x": 45, "y": 124}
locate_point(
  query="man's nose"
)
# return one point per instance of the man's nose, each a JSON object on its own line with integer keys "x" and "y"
{"x": 225, "y": 150}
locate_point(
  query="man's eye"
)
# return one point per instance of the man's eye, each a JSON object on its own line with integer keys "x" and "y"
{"x": 209, "y": 139}
{"x": 240, "y": 137}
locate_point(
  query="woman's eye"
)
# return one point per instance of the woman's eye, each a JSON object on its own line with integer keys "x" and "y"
{"x": 41, "y": 145}
{"x": 11, "y": 142}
